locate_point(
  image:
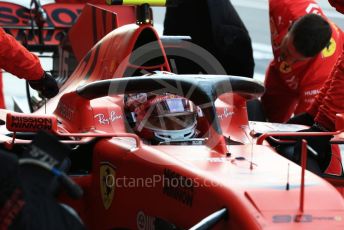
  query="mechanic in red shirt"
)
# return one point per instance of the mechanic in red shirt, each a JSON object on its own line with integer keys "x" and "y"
{"x": 321, "y": 115}
{"x": 17, "y": 60}
{"x": 298, "y": 71}
{"x": 330, "y": 100}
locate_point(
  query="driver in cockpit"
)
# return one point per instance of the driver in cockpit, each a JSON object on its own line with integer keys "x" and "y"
{"x": 162, "y": 118}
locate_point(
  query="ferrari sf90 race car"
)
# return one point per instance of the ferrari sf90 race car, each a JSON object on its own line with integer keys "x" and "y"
{"x": 156, "y": 150}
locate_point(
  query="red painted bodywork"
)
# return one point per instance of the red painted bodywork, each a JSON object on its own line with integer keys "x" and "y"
{"x": 250, "y": 181}
{"x": 60, "y": 18}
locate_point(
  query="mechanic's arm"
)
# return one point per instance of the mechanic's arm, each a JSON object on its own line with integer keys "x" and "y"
{"x": 278, "y": 102}
{"x": 278, "y": 106}
{"x": 306, "y": 101}
{"x": 330, "y": 102}
{"x": 313, "y": 109}
{"x": 17, "y": 60}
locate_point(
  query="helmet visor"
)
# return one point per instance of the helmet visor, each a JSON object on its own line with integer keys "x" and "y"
{"x": 171, "y": 114}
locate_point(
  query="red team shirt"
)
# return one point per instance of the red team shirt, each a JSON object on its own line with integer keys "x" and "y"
{"x": 292, "y": 88}
{"x": 17, "y": 60}
{"x": 330, "y": 100}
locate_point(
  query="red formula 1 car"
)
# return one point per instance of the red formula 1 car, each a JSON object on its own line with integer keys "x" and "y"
{"x": 223, "y": 178}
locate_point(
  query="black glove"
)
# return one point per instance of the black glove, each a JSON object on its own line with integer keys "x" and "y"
{"x": 302, "y": 119}
{"x": 47, "y": 85}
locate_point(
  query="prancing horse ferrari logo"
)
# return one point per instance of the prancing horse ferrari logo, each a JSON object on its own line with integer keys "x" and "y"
{"x": 285, "y": 67}
{"x": 107, "y": 183}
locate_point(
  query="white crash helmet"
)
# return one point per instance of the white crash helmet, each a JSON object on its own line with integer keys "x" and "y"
{"x": 162, "y": 118}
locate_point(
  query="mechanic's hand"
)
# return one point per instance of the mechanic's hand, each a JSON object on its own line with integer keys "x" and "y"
{"x": 338, "y": 4}
{"x": 47, "y": 86}
{"x": 302, "y": 119}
